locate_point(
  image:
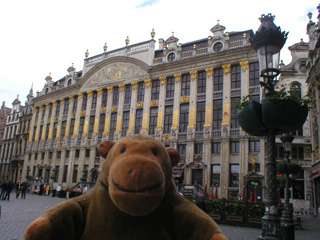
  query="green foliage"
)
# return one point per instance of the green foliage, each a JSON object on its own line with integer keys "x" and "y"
{"x": 234, "y": 208}
{"x": 214, "y": 206}
{"x": 256, "y": 210}
{"x": 244, "y": 101}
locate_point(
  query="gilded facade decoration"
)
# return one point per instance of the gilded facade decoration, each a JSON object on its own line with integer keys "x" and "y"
{"x": 163, "y": 80}
{"x": 122, "y": 87}
{"x": 114, "y": 108}
{"x": 178, "y": 77}
{"x": 194, "y": 74}
{"x": 226, "y": 68}
{"x": 110, "y": 89}
{"x": 184, "y": 99}
{"x": 140, "y": 105}
{"x": 83, "y": 113}
{"x": 99, "y": 91}
{"x": 154, "y": 103}
{"x": 209, "y": 71}
{"x": 148, "y": 82}
{"x": 166, "y": 137}
{"x": 103, "y": 110}
{"x": 134, "y": 85}
{"x": 244, "y": 65}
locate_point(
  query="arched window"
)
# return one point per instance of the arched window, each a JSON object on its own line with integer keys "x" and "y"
{"x": 69, "y": 82}
{"x": 295, "y": 90}
{"x": 171, "y": 57}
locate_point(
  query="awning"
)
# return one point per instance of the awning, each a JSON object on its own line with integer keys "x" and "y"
{"x": 178, "y": 173}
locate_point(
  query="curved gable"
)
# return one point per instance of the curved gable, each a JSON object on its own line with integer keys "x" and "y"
{"x": 114, "y": 71}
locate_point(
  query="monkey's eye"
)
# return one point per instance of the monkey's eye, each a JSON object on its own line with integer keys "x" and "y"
{"x": 154, "y": 151}
{"x": 123, "y": 149}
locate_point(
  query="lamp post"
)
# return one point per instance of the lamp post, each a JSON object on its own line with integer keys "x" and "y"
{"x": 268, "y": 42}
{"x": 287, "y": 227}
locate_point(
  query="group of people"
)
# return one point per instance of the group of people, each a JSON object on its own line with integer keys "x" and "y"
{"x": 6, "y": 188}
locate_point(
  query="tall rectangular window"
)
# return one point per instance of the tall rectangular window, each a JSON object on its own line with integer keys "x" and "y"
{"x": 182, "y": 149}
{"x": 66, "y": 106}
{"x": 128, "y": 94}
{"x": 57, "y": 109}
{"x": 254, "y": 74}
{"x": 75, "y": 174}
{"x": 201, "y": 114}
{"x": 217, "y": 114}
{"x": 215, "y": 175}
{"x": 185, "y": 85}
{"x": 168, "y": 115}
{"x": 113, "y": 123}
{"x": 141, "y": 87}
{"x": 198, "y": 148}
{"x": 63, "y": 129}
{"x": 184, "y": 118}
{"x": 216, "y": 148}
{"x": 81, "y": 126}
{"x": 55, "y": 128}
{"x": 234, "y": 147}
{"x": 254, "y": 146}
{"x": 75, "y": 104}
{"x": 71, "y": 127}
{"x": 43, "y": 112}
{"x": 84, "y": 101}
{"x": 125, "y": 123}
{"x": 153, "y": 120}
{"x": 47, "y": 132}
{"x": 101, "y": 124}
{"x": 115, "y": 99}
{"x": 138, "y": 121}
{"x": 218, "y": 80}
{"x": 234, "y": 118}
{"x": 56, "y": 173}
{"x": 104, "y": 98}
{"x": 50, "y": 111}
{"x": 155, "y": 90}
{"x": 40, "y": 133}
{"x": 234, "y": 175}
{"x": 235, "y": 77}
{"x": 65, "y": 173}
{"x": 202, "y": 82}
{"x": 170, "y": 87}
{"x": 91, "y": 126}
{"x": 94, "y": 100}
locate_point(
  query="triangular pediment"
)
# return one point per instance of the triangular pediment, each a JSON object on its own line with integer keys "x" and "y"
{"x": 114, "y": 73}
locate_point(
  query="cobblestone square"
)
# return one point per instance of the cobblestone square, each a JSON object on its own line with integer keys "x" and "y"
{"x": 17, "y": 214}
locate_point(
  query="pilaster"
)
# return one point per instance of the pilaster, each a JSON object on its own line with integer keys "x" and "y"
{"x": 133, "y": 107}
{"x": 162, "y": 103}
{"x": 146, "y": 106}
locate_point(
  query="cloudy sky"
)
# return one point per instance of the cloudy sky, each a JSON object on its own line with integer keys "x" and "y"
{"x": 41, "y": 36}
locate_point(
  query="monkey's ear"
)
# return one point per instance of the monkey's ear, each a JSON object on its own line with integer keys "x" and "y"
{"x": 104, "y": 148}
{"x": 174, "y": 156}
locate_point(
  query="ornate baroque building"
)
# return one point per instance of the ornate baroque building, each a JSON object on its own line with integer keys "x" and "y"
{"x": 313, "y": 81}
{"x": 4, "y": 112}
{"x": 184, "y": 95}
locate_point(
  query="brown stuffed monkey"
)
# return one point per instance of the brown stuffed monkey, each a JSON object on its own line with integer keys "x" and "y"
{"x": 134, "y": 199}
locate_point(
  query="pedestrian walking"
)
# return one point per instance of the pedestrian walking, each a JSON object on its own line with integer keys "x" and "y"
{"x": 4, "y": 189}
{"x": 24, "y": 189}
{"x": 18, "y": 189}
{"x": 9, "y": 189}
{"x": 47, "y": 189}
{"x": 58, "y": 190}
{"x": 41, "y": 189}
{"x": 68, "y": 190}
{"x": 85, "y": 189}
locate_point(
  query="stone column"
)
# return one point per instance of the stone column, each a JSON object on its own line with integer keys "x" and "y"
{"x": 87, "y": 118}
{"x": 162, "y": 103}
{"x": 176, "y": 107}
{"x": 225, "y": 143}
{"x": 94, "y": 138}
{"x": 77, "y": 120}
{"x": 133, "y": 108}
{"x": 108, "y": 113}
{"x": 66, "y": 135}
{"x": 146, "y": 107}
{"x": 45, "y": 120}
{"x": 117, "y": 134}
{"x": 53, "y": 113}
{"x": 62, "y": 102}
{"x": 209, "y": 104}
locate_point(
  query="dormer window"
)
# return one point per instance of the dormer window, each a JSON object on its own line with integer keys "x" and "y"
{"x": 47, "y": 90}
{"x": 217, "y": 47}
{"x": 171, "y": 57}
{"x": 69, "y": 82}
{"x": 303, "y": 67}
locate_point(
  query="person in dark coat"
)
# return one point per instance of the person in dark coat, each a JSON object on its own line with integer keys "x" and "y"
{"x": 4, "y": 190}
{"x": 24, "y": 189}
{"x": 41, "y": 189}
{"x": 9, "y": 190}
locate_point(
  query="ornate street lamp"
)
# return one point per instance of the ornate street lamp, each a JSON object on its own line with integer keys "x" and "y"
{"x": 268, "y": 42}
{"x": 287, "y": 226}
